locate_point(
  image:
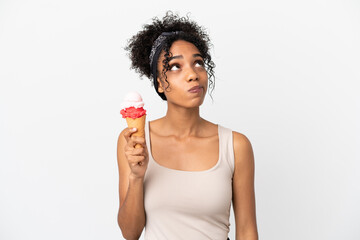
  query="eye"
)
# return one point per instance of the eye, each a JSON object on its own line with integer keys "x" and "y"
{"x": 199, "y": 63}
{"x": 174, "y": 67}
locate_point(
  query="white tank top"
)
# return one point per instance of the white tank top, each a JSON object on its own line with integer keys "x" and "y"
{"x": 189, "y": 204}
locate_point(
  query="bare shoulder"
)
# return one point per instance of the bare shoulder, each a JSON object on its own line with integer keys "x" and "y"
{"x": 121, "y": 140}
{"x": 121, "y": 134}
{"x": 243, "y": 150}
{"x": 240, "y": 140}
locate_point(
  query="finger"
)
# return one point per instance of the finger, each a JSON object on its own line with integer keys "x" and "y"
{"x": 128, "y": 132}
{"x": 137, "y": 140}
{"x": 138, "y": 151}
{"x": 136, "y": 159}
{"x": 133, "y": 140}
{"x": 137, "y": 164}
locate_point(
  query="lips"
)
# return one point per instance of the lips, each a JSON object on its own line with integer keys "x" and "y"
{"x": 195, "y": 89}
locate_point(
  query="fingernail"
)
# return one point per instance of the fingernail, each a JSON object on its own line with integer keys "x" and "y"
{"x": 134, "y": 129}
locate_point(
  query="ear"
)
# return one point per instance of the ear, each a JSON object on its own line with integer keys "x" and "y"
{"x": 160, "y": 86}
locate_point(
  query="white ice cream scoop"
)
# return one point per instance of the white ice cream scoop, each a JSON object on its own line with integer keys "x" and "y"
{"x": 132, "y": 99}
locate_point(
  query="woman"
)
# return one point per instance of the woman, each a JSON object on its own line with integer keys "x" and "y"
{"x": 180, "y": 184}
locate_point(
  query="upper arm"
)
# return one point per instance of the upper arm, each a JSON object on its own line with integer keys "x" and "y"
{"x": 123, "y": 166}
{"x": 243, "y": 187}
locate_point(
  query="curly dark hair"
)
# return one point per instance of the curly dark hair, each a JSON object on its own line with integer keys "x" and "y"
{"x": 139, "y": 46}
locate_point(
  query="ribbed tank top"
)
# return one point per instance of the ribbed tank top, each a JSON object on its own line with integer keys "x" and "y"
{"x": 189, "y": 204}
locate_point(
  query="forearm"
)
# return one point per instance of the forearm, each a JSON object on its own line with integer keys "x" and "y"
{"x": 131, "y": 215}
{"x": 248, "y": 236}
{"x": 248, "y": 233}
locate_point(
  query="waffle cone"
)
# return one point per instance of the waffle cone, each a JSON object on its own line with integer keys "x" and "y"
{"x": 138, "y": 123}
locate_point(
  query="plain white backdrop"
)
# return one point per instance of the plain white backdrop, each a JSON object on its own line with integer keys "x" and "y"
{"x": 287, "y": 76}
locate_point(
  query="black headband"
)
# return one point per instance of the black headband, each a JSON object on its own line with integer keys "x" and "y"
{"x": 158, "y": 44}
{"x": 155, "y": 52}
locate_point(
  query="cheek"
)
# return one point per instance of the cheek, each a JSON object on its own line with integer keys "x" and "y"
{"x": 205, "y": 76}
{"x": 203, "y": 73}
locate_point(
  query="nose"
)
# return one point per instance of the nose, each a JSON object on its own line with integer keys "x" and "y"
{"x": 192, "y": 75}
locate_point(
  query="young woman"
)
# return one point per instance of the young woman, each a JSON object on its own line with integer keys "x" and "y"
{"x": 182, "y": 181}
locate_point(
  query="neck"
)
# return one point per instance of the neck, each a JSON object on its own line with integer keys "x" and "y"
{"x": 182, "y": 122}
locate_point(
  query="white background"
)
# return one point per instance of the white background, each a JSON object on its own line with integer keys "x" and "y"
{"x": 287, "y": 77}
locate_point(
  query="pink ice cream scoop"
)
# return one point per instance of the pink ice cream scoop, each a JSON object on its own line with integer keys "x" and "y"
{"x": 132, "y": 106}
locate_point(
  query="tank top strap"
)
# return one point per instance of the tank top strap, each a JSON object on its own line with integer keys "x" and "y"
{"x": 226, "y": 141}
{"x": 147, "y": 135}
{"x": 147, "y": 132}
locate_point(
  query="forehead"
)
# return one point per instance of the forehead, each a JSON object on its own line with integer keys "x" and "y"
{"x": 181, "y": 47}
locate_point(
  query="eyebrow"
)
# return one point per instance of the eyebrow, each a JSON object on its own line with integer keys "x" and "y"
{"x": 181, "y": 56}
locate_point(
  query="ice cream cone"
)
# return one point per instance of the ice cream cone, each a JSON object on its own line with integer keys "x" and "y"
{"x": 138, "y": 123}
{"x": 134, "y": 113}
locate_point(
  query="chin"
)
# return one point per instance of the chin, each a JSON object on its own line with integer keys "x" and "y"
{"x": 196, "y": 103}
